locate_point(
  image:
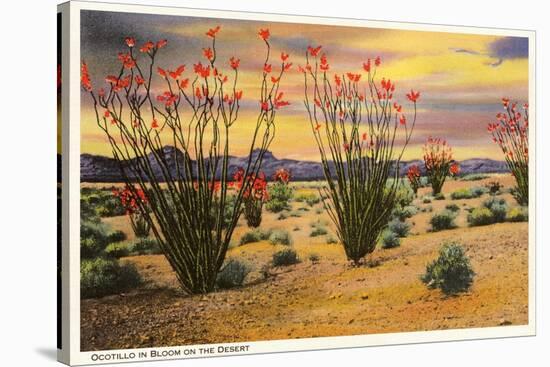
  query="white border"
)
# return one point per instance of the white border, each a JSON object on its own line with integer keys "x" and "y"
{"x": 76, "y": 357}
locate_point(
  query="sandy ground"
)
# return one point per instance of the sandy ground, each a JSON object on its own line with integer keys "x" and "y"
{"x": 327, "y": 298}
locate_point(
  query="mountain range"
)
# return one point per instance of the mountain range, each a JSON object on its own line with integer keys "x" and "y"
{"x": 96, "y": 168}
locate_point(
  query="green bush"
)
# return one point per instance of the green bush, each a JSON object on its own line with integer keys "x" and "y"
{"x": 401, "y": 229}
{"x": 498, "y": 208}
{"x": 443, "y": 220}
{"x": 309, "y": 198}
{"x": 94, "y": 238}
{"x": 517, "y": 215}
{"x": 314, "y": 258}
{"x": 451, "y": 271}
{"x": 279, "y": 196}
{"x": 318, "y": 231}
{"x": 232, "y": 274}
{"x": 118, "y": 250}
{"x": 481, "y": 217}
{"x": 116, "y": 236}
{"x": 282, "y": 216}
{"x": 280, "y": 237}
{"x": 403, "y": 213}
{"x": 477, "y": 191}
{"x": 427, "y": 199}
{"x": 470, "y": 193}
{"x": 331, "y": 239}
{"x": 474, "y": 177}
{"x": 100, "y": 277}
{"x": 285, "y": 257}
{"x": 439, "y": 196}
{"x": 404, "y": 195}
{"x": 452, "y": 207}
{"x": 145, "y": 246}
{"x": 390, "y": 239}
{"x": 256, "y": 235}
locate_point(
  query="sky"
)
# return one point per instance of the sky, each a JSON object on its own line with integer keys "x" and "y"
{"x": 461, "y": 77}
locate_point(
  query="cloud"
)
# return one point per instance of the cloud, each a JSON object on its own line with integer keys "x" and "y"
{"x": 510, "y": 48}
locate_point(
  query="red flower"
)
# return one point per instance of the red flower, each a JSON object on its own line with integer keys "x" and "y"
{"x": 264, "y": 106}
{"x": 161, "y": 72}
{"x": 398, "y": 108}
{"x": 505, "y": 102}
{"x": 279, "y": 102}
{"x": 154, "y": 124}
{"x": 130, "y": 41}
{"x": 234, "y": 63}
{"x": 213, "y": 31}
{"x": 377, "y": 61}
{"x": 324, "y": 63}
{"x": 201, "y": 70}
{"x": 284, "y": 56}
{"x": 267, "y": 68}
{"x": 106, "y": 113}
{"x": 85, "y": 77}
{"x": 413, "y": 96}
{"x": 364, "y": 136}
{"x": 402, "y": 120}
{"x": 287, "y": 66}
{"x": 126, "y": 60}
{"x": 208, "y": 53}
{"x": 366, "y": 66}
{"x": 198, "y": 93}
{"x": 238, "y": 95}
{"x": 148, "y": 46}
{"x": 346, "y": 147}
{"x": 264, "y": 34}
{"x": 139, "y": 80}
{"x": 317, "y": 126}
{"x": 314, "y": 51}
{"x": 274, "y": 80}
{"x": 454, "y": 169}
{"x": 177, "y": 73}
{"x": 353, "y": 77}
{"x": 282, "y": 175}
{"x": 162, "y": 43}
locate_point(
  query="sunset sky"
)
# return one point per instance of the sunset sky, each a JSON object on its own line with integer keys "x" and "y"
{"x": 461, "y": 77}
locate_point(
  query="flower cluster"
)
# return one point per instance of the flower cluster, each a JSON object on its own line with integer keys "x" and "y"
{"x": 282, "y": 175}
{"x": 438, "y": 157}
{"x": 131, "y": 198}
{"x": 413, "y": 175}
{"x": 255, "y": 186}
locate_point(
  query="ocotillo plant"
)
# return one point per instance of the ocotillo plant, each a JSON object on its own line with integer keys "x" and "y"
{"x": 454, "y": 169}
{"x": 254, "y": 196}
{"x": 280, "y": 191}
{"x": 511, "y": 133}
{"x": 132, "y": 200}
{"x": 438, "y": 157}
{"x": 413, "y": 175}
{"x": 358, "y": 130}
{"x": 187, "y": 186}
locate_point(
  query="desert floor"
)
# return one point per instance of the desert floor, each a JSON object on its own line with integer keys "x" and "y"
{"x": 327, "y": 298}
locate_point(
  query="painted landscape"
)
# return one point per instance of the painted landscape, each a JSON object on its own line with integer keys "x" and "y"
{"x": 301, "y": 191}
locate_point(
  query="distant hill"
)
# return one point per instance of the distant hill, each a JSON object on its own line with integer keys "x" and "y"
{"x": 95, "y": 168}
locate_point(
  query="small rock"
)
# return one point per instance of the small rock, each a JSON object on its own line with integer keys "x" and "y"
{"x": 504, "y": 322}
{"x": 364, "y": 296}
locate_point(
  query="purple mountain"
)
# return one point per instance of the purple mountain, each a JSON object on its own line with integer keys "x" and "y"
{"x": 95, "y": 168}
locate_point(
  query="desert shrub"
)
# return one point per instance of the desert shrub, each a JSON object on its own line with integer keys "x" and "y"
{"x": 403, "y": 213}
{"x": 280, "y": 237}
{"x": 101, "y": 276}
{"x": 256, "y": 235}
{"x": 452, "y": 207}
{"x": 295, "y": 214}
{"x": 443, "y": 220}
{"x": 401, "y": 229}
{"x": 451, "y": 271}
{"x": 309, "y": 198}
{"x": 145, "y": 246}
{"x": 470, "y": 193}
{"x": 517, "y": 215}
{"x": 94, "y": 238}
{"x": 474, "y": 177}
{"x": 285, "y": 257}
{"x": 439, "y": 196}
{"x": 498, "y": 208}
{"x": 116, "y": 236}
{"x": 318, "y": 231}
{"x": 279, "y": 196}
{"x": 314, "y": 258}
{"x": 493, "y": 187}
{"x": 390, "y": 239}
{"x": 232, "y": 274}
{"x": 331, "y": 239}
{"x": 427, "y": 209}
{"x": 481, "y": 217}
{"x": 427, "y": 199}
{"x": 100, "y": 203}
{"x": 118, "y": 250}
{"x": 404, "y": 195}
{"x": 283, "y": 216}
